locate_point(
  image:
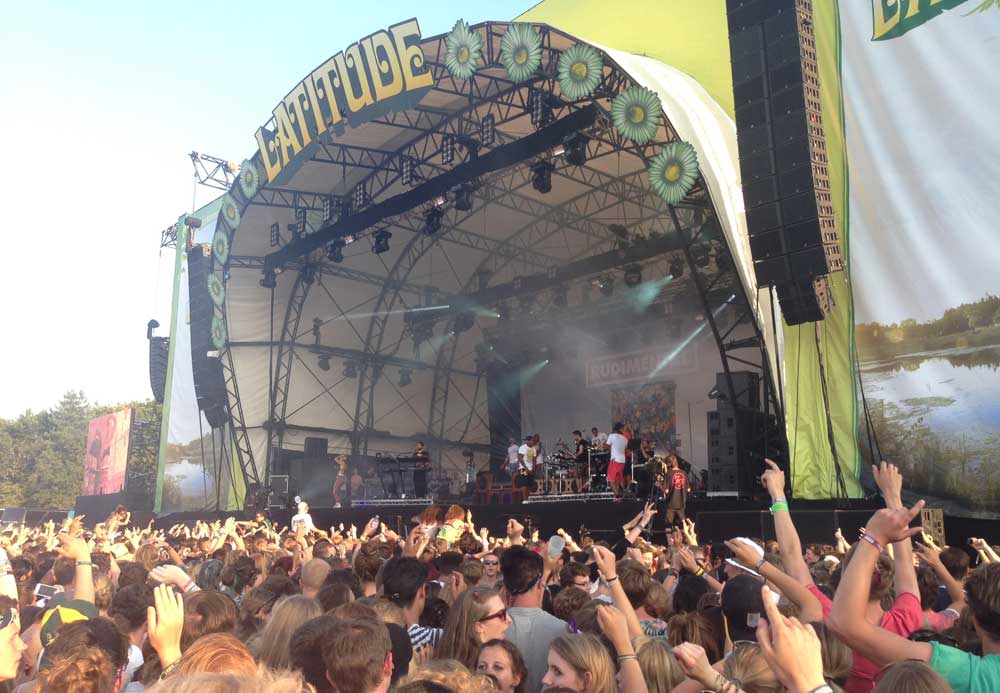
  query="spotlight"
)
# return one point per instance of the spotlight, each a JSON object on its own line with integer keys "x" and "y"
{"x": 576, "y": 148}
{"x": 300, "y": 221}
{"x": 380, "y": 244}
{"x": 360, "y": 197}
{"x": 633, "y": 275}
{"x": 293, "y": 231}
{"x": 350, "y": 369}
{"x": 723, "y": 260}
{"x": 541, "y": 176}
{"x": 275, "y": 234}
{"x": 541, "y": 109}
{"x": 406, "y": 170}
{"x": 488, "y": 130}
{"x": 269, "y": 281}
{"x": 327, "y": 209}
{"x": 405, "y": 377}
{"x": 432, "y": 221}
{"x": 335, "y": 251}
{"x": 317, "y": 323}
{"x": 503, "y": 310}
{"x": 447, "y": 149}
{"x": 607, "y": 286}
{"x": 323, "y": 362}
{"x": 463, "y": 197}
{"x": 676, "y": 267}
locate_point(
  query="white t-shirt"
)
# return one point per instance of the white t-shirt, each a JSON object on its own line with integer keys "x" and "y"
{"x": 304, "y": 518}
{"x": 512, "y": 456}
{"x": 529, "y": 456}
{"x": 618, "y": 443}
{"x": 599, "y": 439}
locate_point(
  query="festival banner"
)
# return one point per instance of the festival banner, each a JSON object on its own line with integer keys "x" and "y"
{"x": 641, "y": 366}
{"x": 921, "y": 98}
{"x": 107, "y": 453}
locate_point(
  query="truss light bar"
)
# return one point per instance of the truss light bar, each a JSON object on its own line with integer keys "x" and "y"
{"x": 275, "y": 235}
{"x": 300, "y": 221}
{"x": 488, "y": 130}
{"x": 406, "y": 170}
{"x": 327, "y": 209}
{"x": 447, "y": 149}
{"x": 360, "y": 197}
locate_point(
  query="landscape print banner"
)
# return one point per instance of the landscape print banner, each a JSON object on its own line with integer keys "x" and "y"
{"x": 921, "y": 111}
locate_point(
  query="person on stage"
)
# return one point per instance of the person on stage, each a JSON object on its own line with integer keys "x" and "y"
{"x": 512, "y": 465}
{"x": 598, "y": 439}
{"x": 338, "y": 484}
{"x": 526, "y": 457}
{"x": 617, "y": 444}
{"x": 423, "y": 463}
{"x": 677, "y": 489}
{"x": 580, "y": 448}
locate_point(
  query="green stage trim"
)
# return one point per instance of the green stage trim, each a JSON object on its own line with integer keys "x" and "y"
{"x": 521, "y": 51}
{"x": 636, "y": 114}
{"x": 218, "y": 332}
{"x": 216, "y": 290}
{"x": 230, "y": 211}
{"x": 464, "y": 49}
{"x": 580, "y": 71}
{"x": 673, "y": 172}
{"x": 249, "y": 178}
{"x": 220, "y": 244}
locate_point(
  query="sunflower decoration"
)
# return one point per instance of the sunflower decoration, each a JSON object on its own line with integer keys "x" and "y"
{"x": 218, "y": 332}
{"x": 216, "y": 290}
{"x": 230, "y": 211}
{"x": 220, "y": 245}
{"x": 673, "y": 171}
{"x": 464, "y": 49}
{"x": 521, "y": 51}
{"x": 636, "y": 114}
{"x": 249, "y": 178}
{"x": 580, "y": 71}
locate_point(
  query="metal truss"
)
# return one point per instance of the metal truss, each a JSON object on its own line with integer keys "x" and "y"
{"x": 238, "y": 428}
{"x": 168, "y": 236}
{"x": 213, "y": 172}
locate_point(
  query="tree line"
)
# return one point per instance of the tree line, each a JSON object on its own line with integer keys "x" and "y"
{"x": 42, "y": 453}
{"x": 969, "y": 316}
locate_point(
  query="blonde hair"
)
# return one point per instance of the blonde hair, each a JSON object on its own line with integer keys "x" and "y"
{"x": 219, "y": 653}
{"x": 586, "y": 655}
{"x": 263, "y": 681}
{"x": 915, "y": 677}
{"x": 90, "y": 670}
{"x": 450, "y": 674}
{"x": 747, "y": 668}
{"x": 837, "y": 657}
{"x": 288, "y": 614}
{"x": 388, "y": 612}
{"x": 659, "y": 668}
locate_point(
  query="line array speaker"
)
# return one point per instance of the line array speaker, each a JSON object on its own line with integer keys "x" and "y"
{"x": 209, "y": 381}
{"x": 782, "y": 149}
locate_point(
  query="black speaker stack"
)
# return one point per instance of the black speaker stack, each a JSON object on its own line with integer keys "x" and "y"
{"x": 782, "y": 149}
{"x": 740, "y": 436}
{"x": 209, "y": 380}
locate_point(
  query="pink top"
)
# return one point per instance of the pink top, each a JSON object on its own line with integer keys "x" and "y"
{"x": 905, "y": 617}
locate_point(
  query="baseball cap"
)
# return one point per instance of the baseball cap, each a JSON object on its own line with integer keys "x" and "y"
{"x": 68, "y": 612}
{"x": 756, "y": 547}
{"x": 743, "y": 607}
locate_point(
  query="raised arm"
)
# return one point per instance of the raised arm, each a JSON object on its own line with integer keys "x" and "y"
{"x": 847, "y": 616}
{"x": 608, "y": 568}
{"x": 890, "y": 483}
{"x": 83, "y": 580}
{"x": 809, "y": 606}
{"x": 788, "y": 537}
{"x": 931, "y": 555}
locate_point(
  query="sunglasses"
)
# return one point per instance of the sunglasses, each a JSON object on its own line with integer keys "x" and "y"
{"x": 491, "y": 562}
{"x": 502, "y": 614}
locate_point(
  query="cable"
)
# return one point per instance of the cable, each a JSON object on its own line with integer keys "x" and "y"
{"x": 873, "y": 446}
{"x": 839, "y": 473}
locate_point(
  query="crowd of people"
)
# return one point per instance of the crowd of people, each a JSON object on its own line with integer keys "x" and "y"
{"x": 247, "y": 606}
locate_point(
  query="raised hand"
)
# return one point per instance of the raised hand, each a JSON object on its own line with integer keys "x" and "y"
{"x": 514, "y": 529}
{"x": 170, "y": 575}
{"x": 694, "y": 662}
{"x": 605, "y": 561}
{"x": 615, "y": 627}
{"x": 889, "y": 526}
{"x": 743, "y": 553}
{"x": 791, "y": 649}
{"x": 890, "y": 483}
{"x": 72, "y": 547}
{"x": 165, "y": 621}
{"x": 773, "y": 479}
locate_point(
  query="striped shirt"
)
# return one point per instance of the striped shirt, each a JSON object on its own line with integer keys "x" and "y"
{"x": 422, "y": 635}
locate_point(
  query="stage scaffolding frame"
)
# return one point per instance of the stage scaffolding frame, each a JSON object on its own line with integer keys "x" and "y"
{"x": 378, "y": 171}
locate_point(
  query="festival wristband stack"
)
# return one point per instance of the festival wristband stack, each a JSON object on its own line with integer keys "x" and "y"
{"x": 779, "y": 504}
{"x": 865, "y": 536}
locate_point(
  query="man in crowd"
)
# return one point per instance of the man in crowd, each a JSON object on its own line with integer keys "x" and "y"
{"x": 358, "y": 657}
{"x": 403, "y": 581}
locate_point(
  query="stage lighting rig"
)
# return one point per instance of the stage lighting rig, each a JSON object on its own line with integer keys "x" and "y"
{"x": 380, "y": 241}
{"x": 269, "y": 281}
{"x": 317, "y": 323}
{"x": 541, "y": 108}
{"x": 447, "y": 149}
{"x": 323, "y": 361}
{"x": 300, "y": 221}
{"x": 463, "y": 196}
{"x": 606, "y": 284}
{"x": 405, "y": 377}
{"x": 541, "y": 176}
{"x": 700, "y": 255}
{"x": 676, "y": 267}
{"x": 350, "y": 369}
{"x": 464, "y": 322}
{"x": 633, "y": 275}
{"x": 360, "y": 198}
{"x": 432, "y": 220}
{"x": 406, "y": 166}
{"x": 488, "y": 130}
{"x": 576, "y": 148}
{"x": 275, "y": 234}
{"x": 335, "y": 251}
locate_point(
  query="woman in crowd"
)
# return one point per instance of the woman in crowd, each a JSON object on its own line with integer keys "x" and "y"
{"x": 288, "y": 614}
{"x": 476, "y": 617}
{"x": 580, "y": 663}
{"x": 501, "y": 660}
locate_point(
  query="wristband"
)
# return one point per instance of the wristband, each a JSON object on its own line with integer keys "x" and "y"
{"x": 611, "y": 579}
{"x": 760, "y": 564}
{"x": 85, "y": 563}
{"x": 865, "y": 536}
{"x": 627, "y": 657}
{"x": 825, "y": 688}
{"x": 699, "y": 572}
{"x": 780, "y": 500}
{"x": 778, "y": 506}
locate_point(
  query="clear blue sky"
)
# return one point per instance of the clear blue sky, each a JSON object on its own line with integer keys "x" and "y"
{"x": 102, "y": 103}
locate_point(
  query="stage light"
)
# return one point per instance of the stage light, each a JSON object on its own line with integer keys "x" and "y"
{"x": 576, "y": 148}
{"x": 300, "y": 221}
{"x": 360, "y": 196}
{"x": 335, "y": 251}
{"x": 633, "y": 275}
{"x": 503, "y": 310}
{"x": 323, "y": 362}
{"x": 269, "y": 281}
{"x": 405, "y": 377}
{"x": 275, "y": 234}
{"x": 317, "y": 323}
{"x": 541, "y": 176}
{"x": 406, "y": 170}
{"x": 350, "y": 369}
{"x": 463, "y": 197}
{"x": 541, "y": 109}
{"x": 432, "y": 220}
{"x": 488, "y": 130}
{"x": 380, "y": 243}
{"x": 447, "y": 149}
{"x": 327, "y": 209}
{"x": 607, "y": 285}
{"x": 464, "y": 322}
{"x": 676, "y": 267}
